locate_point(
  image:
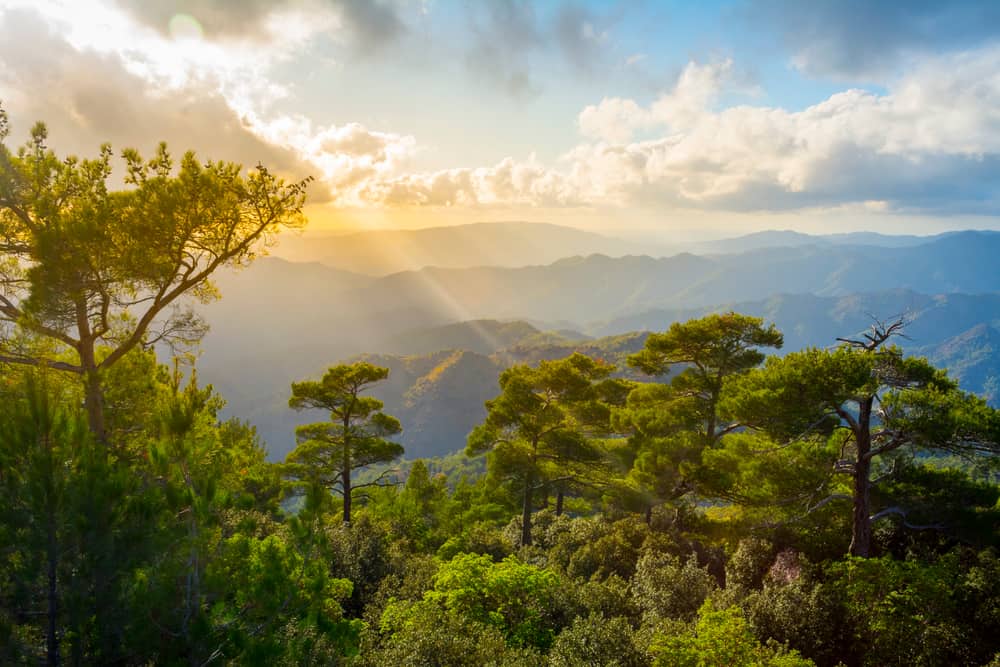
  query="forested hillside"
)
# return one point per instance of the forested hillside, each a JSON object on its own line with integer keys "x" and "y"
{"x": 587, "y": 289}
{"x": 781, "y": 487}
{"x": 252, "y": 362}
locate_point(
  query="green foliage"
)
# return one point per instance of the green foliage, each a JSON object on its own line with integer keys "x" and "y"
{"x": 673, "y": 423}
{"x": 874, "y": 401}
{"x": 610, "y": 598}
{"x": 715, "y": 346}
{"x": 589, "y": 548}
{"x": 514, "y": 597}
{"x": 722, "y": 637}
{"x": 73, "y": 525}
{"x": 273, "y": 586}
{"x": 478, "y": 538}
{"x": 596, "y": 640}
{"x": 700, "y": 354}
{"x": 667, "y": 588}
{"x": 170, "y": 547}
{"x": 919, "y": 613}
{"x": 96, "y": 273}
{"x": 956, "y": 506}
{"x": 329, "y": 452}
{"x": 749, "y": 563}
{"x": 361, "y": 553}
{"x": 807, "y": 616}
{"x": 424, "y": 634}
{"x": 537, "y": 428}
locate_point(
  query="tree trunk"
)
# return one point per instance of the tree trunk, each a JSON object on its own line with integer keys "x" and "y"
{"x": 347, "y": 489}
{"x": 861, "y": 527}
{"x": 52, "y": 638}
{"x": 345, "y": 472}
{"x": 649, "y": 515}
{"x": 861, "y": 532}
{"x": 192, "y": 595}
{"x": 559, "y": 500}
{"x": 529, "y": 484}
{"x": 710, "y": 426}
{"x": 93, "y": 395}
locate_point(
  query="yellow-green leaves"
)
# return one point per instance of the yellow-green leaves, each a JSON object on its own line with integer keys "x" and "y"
{"x": 87, "y": 267}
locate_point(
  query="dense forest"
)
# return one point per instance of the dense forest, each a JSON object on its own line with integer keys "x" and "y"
{"x": 686, "y": 497}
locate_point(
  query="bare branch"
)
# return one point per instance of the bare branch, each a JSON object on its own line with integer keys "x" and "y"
{"x": 40, "y": 362}
{"x": 806, "y": 513}
{"x": 900, "y": 512}
{"x": 880, "y": 333}
{"x": 378, "y": 480}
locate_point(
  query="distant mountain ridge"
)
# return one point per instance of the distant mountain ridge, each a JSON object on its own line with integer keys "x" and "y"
{"x": 577, "y": 288}
{"x": 439, "y": 395}
{"x": 516, "y": 244}
{"x": 280, "y": 321}
{"x": 481, "y": 336}
{"x": 785, "y": 238}
{"x": 973, "y": 357}
{"x": 381, "y": 252}
{"x": 960, "y": 332}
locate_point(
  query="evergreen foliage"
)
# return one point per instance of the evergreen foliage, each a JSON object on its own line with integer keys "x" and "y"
{"x": 330, "y": 452}
{"x": 704, "y": 520}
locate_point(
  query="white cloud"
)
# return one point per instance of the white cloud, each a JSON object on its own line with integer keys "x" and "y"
{"x": 931, "y": 142}
{"x": 506, "y": 183}
{"x": 347, "y": 156}
{"x": 617, "y": 120}
{"x": 614, "y": 119}
{"x": 695, "y": 92}
{"x": 112, "y": 80}
{"x": 88, "y": 97}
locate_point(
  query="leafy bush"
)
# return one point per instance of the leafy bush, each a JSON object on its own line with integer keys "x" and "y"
{"x": 519, "y": 600}
{"x": 722, "y": 637}
{"x": 664, "y": 587}
{"x": 749, "y": 563}
{"x": 596, "y": 640}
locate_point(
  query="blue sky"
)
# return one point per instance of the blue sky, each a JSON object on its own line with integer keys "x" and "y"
{"x": 646, "y": 117}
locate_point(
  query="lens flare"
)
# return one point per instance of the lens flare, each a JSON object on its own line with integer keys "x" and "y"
{"x": 184, "y": 27}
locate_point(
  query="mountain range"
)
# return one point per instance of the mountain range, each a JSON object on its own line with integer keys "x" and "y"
{"x": 787, "y": 238}
{"x": 446, "y": 333}
{"x": 599, "y": 287}
{"x": 516, "y": 244}
{"x": 380, "y": 252}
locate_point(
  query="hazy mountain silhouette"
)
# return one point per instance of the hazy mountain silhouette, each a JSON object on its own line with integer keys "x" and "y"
{"x": 582, "y": 289}
{"x": 516, "y": 244}
{"x": 788, "y": 238}
{"x": 380, "y": 252}
{"x": 280, "y": 321}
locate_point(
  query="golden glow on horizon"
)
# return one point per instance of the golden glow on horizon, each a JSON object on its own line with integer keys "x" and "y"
{"x": 686, "y": 225}
{"x": 661, "y": 166}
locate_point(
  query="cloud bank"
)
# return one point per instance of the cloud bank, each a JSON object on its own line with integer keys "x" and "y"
{"x": 927, "y": 140}
{"x": 930, "y": 143}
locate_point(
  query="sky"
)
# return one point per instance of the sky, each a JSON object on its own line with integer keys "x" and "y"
{"x": 655, "y": 119}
